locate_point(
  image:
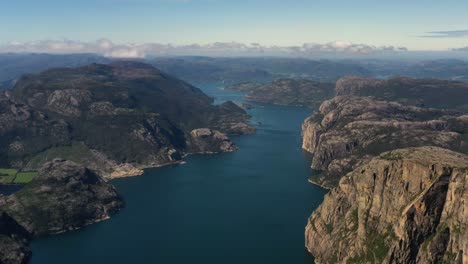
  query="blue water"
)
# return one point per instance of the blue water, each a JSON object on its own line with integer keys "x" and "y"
{"x": 250, "y": 206}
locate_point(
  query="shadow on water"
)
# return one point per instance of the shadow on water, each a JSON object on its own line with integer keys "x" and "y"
{"x": 10, "y": 189}
{"x": 250, "y": 206}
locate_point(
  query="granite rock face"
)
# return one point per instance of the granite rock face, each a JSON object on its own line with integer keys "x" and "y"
{"x": 349, "y": 131}
{"x": 64, "y": 196}
{"x": 404, "y": 206}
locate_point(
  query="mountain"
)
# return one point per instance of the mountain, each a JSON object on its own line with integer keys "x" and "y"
{"x": 238, "y": 70}
{"x": 347, "y": 132}
{"x": 420, "y": 92}
{"x": 206, "y": 69}
{"x": 287, "y": 92}
{"x": 199, "y": 69}
{"x": 404, "y": 206}
{"x": 14, "y": 65}
{"x": 115, "y": 119}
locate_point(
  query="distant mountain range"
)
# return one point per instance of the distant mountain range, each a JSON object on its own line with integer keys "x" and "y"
{"x": 237, "y": 70}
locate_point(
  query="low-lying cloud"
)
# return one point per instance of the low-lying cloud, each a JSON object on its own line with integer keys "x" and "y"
{"x": 107, "y": 48}
{"x": 461, "y": 49}
{"x": 447, "y": 34}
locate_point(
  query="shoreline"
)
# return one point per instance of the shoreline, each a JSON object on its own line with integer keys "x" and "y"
{"x": 314, "y": 182}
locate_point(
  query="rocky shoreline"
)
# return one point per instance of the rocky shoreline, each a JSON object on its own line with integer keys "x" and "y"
{"x": 64, "y": 196}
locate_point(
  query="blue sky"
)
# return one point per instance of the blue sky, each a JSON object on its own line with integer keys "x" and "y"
{"x": 268, "y": 22}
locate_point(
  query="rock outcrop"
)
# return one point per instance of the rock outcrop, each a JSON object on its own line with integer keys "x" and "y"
{"x": 349, "y": 131}
{"x": 207, "y": 141}
{"x": 287, "y": 92}
{"x": 418, "y": 92}
{"x": 64, "y": 196}
{"x": 404, "y": 206}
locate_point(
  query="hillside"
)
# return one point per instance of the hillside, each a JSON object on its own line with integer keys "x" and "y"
{"x": 287, "y": 92}
{"x": 114, "y": 118}
{"x": 64, "y": 196}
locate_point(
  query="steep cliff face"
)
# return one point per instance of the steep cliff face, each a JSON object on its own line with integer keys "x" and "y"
{"x": 404, "y": 206}
{"x": 116, "y": 119}
{"x": 348, "y": 131}
{"x": 419, "y": 92}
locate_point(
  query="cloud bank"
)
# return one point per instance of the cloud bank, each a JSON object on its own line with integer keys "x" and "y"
{"x": 461, "y": 49}
{"x": 447, "y": 34}
{"x": 107, "y": 48}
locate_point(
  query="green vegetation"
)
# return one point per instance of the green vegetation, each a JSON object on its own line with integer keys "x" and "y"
{"x": 355, "y": 215}
{"x": 7, "y": 175}
{"x": 76, "y": 152}
{"x": 392, "y": 155}
{"x": 25, "y": 177}
{"x": 12, "y": 176}
{"x": 377, "y": 247}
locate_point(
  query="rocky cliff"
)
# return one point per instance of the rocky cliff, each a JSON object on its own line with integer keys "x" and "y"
{"x": 116, "y": 119}
{"x": 419, "y": 92}
{"x": 287, "y": 92}
{"x": 64, "y": 196}
{"x": 349, "y": 131}
{"x": 404, "y": 206}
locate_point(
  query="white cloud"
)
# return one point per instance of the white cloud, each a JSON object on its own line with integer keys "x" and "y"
{"x": 107, "y": 48}
{"x": 447, "y": 34}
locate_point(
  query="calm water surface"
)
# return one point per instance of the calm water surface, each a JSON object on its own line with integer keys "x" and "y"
{"x": 250, "y": 206}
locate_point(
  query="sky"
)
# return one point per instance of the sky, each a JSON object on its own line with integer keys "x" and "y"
{"x": 416, "y": 25}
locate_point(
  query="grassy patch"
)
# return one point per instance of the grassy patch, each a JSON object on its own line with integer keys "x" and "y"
{"x": 25, "y": 177}
{"x": 10, "y": 176}
{"x": 7, "y": 175}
